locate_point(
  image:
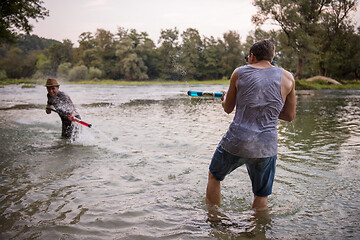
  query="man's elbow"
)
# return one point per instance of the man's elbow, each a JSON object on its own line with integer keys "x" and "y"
{"x": 287, "y": 117}
{"x": 290, "y": 118}
{"x": 228, "y": 110}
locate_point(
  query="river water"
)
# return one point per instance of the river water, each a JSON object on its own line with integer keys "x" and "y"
{"x": 141, "y": 171}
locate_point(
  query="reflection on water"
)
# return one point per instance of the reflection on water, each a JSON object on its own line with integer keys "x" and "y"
{"x": 247, "y": 224}
{"x": 141, "y": 171}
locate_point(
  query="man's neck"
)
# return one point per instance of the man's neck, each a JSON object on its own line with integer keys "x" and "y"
{"x": 261, "y": 64}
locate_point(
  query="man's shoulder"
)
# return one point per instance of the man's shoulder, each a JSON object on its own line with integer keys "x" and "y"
{"x": 242, "y": 69}
{"x": 62, "y": 94}
{"x": 287, "y": 79}
{"x": 287, "y": 75}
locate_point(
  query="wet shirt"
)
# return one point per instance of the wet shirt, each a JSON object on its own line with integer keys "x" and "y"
{"x": 253, "y": 133}
{"x": 62, "y": 104}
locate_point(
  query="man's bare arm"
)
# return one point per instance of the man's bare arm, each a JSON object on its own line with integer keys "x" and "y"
{"x": 229, "y": 97}
{"x": 288, "y": 112}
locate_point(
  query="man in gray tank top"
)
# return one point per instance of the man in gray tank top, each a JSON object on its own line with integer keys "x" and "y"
{"x": 262, "y": 94}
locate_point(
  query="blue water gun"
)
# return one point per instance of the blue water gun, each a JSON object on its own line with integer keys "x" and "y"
{"x": 205, "y": 94}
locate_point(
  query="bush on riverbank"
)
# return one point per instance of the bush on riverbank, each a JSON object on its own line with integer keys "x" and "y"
{"x": 22, "y": 81}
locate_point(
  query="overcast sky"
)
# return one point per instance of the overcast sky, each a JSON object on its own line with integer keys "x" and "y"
{"x": 69, "y": 18}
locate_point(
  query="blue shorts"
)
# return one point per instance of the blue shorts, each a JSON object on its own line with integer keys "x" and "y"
{"x": 260, "y": 170}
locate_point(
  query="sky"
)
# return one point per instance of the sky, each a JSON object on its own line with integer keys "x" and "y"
{"x": 69, "y": 18}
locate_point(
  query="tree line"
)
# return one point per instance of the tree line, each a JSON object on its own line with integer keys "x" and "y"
{"x": 316, "y": 37}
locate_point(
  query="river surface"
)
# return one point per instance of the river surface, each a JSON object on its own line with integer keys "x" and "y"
{"x": 141, "y": 171}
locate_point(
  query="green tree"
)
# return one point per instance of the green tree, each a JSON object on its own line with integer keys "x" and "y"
{"x": 86, "y": 42}
{"x": 147, "y": 51}
{"x": 16, "y": 63}
{"x": 169, "y": 54}
{"x": 29, "y": 64}
{"x": 132, "y": 66}
{"x": 15, "y": 15}
{"x": 91, "y": 58}
{"x": 342, "y": 59}
{"x": 44, "y": 67}
{"x": 303, "y": 21}
{"x": 214, "y": 51}
{"x": 60, "y": 53}
{"x": 287, "y": 56}
{"x": 28, "y": 43}
{"x": 334, "y": 37}
{"x": 105, "y": 53}
{"x": 234, "y": 55}
{"x": 191, "y": 53}
{"x": 12, "y": 62}
{"x": 299, "y": 21}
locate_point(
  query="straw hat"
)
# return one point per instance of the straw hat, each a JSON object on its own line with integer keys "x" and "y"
{"x": 52, "y": 82}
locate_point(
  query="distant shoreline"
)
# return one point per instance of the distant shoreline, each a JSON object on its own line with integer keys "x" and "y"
{"x": 300, "y": 84}
{"x": 113, "y": 82}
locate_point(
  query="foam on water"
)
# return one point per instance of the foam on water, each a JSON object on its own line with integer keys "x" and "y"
{"x": 95, "y": 137}
{"x": 85, "y": 137}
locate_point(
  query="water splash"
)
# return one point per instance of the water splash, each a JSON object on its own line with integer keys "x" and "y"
{"x": 96, "y": 137}
{"x": 85, "y": 137}
{"x": 102, "y": 134}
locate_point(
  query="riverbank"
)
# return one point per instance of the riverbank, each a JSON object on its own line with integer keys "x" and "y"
{"x": 321, "y": 84}
{"x": 302, "y": 84}
{"x": 113, "y": 82}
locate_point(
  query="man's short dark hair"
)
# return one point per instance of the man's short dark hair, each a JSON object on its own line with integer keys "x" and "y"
{"x": 263, "y": 50}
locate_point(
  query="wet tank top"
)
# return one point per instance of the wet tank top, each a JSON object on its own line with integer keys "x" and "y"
{"x": 253, "y": 133}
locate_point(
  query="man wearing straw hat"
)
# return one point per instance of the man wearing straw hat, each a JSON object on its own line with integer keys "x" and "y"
{"x": 61, "y": 102}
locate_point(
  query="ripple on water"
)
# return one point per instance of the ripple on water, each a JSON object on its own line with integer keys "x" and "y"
{"x": 141, "y": 172}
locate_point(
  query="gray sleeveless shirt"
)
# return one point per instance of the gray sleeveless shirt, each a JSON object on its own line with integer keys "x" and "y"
{"x": 253, "y": 132}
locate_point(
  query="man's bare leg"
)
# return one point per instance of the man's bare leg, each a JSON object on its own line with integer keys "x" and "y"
{"x": 213, "y": 191}
{"x": 260, "y": 203}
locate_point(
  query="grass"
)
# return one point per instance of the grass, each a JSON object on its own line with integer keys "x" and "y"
{"x": 28, "y": 86}
{"x": 300, "y": 84}
{"x": 28, "y": 81}
{"x": 153, "y": 82}
{"x": 321, "y": 84}
{"x": 112, "y": 82}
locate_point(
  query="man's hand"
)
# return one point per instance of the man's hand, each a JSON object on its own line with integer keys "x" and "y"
{"x": 223, "y": 96}
{"x": 70, "y": 117}
{"x": 48, "y": 111}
